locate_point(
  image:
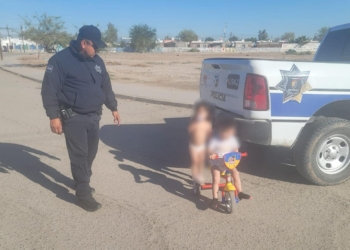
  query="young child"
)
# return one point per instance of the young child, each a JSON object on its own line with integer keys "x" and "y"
{"x": 225, "y": 141}
{"x": 199, "y": 130}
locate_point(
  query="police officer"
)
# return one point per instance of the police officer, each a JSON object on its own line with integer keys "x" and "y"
{"x": 75, "y": 86}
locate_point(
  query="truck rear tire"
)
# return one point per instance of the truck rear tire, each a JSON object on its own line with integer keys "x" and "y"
{"x": 322, "y": 154}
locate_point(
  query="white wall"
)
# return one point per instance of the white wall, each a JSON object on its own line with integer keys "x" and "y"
{"x": 17, "y": 41}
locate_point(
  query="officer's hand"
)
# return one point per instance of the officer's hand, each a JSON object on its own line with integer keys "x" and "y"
{"x": 116, "y": 116}
{"x": 56, "y": 126}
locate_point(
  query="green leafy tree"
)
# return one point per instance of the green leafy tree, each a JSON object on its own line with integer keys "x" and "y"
{"x": 110, "y": 36}
{"x": 321, "y": 33}
{"x": 188, "y": 35}
{"x": 276, "y": 39}
{"x": 209, "y": 39}
{"x": 233, "y": 38}
{"x": 167, "y": 38}
{"x": 288, "y": 37}
{"x": 302, "y": 40}
{"x": 262, "y": 35}
{"x": 122, "y": 44}
{"x": 46, "y": 31}
{"x": 143, "y": 38}
{"x": 251, "y": 39}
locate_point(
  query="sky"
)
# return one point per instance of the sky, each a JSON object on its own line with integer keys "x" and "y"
{"x": 207, "y": 18}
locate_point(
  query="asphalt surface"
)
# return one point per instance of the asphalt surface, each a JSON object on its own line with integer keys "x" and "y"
{"x": 142, "y": 179}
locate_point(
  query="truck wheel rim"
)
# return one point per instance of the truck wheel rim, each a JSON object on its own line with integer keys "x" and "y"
{"x": 333, "y": 154}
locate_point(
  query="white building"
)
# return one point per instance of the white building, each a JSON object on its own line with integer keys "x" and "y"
{"x": 16, "y": 43}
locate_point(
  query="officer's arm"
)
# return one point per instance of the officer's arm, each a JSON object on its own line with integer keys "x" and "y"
{"x": 111, "y": 102}
{"x": 52, "y": 84}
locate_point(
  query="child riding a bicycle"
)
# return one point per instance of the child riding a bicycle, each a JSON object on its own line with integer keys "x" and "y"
{"x": 223, "y": 142}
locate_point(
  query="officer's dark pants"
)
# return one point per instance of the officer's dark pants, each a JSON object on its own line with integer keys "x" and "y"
{"x": 82, "y": 137}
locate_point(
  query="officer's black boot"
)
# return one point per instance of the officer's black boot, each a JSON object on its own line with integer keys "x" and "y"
{"x": 89, "y": 203}
{"x": 92, "y": 189}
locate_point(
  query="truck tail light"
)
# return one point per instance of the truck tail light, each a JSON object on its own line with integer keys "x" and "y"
{"x": 256, "y": 93}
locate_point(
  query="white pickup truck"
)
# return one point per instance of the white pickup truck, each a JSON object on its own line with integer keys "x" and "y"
{"x": 301, "y": 105}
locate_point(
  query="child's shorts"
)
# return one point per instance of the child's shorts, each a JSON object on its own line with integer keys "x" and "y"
{"x": 218, "y": 164}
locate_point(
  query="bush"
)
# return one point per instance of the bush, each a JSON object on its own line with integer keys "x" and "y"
{"x": 291, "y": 52}
{"x": 305, "y": 53}
{"x": 194, "y": 50}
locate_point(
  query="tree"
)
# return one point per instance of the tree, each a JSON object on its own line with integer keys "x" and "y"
{"x": 188, "y": 36}
{"x": 321, "y": 33}
{"x": 262, "y": 35}
{"x": 252, "y": 39}
{"x": 143, "y": 38}
{"x": 46, "y": 31}
{"x": 110, "y": 36}
{"x": 122, "y": 44}
{"x": 209, "y": 39}
{"x": 276, "y": 39}
{"x": 233, "y": 38}
{"x": 302, "y": 40}
{"x": 288, "y": 37}
{"x": 167, "y": 38}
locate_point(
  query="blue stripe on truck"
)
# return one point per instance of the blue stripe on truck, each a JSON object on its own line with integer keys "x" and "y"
{"x": 310, "y": 103}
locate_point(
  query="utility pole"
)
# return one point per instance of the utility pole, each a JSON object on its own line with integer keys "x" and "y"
{"x": 223, "y": 45}
{"x": 24, "y": 50}
{"x": 1, "y": 49}
{"x": 225, "y": 31}
{"x": 8, "y": 35}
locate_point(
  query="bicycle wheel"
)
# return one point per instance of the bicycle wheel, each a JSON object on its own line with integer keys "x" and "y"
{"x": 230, "y": 202}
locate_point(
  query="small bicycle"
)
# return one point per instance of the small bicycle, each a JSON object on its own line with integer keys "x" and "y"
{"x": 228, "y": 189}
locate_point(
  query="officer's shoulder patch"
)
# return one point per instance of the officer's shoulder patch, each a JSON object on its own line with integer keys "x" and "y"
{"x": 49, "y": 68}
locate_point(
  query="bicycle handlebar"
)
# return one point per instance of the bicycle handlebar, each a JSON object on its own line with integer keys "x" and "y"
{"x": 217, "y": 156}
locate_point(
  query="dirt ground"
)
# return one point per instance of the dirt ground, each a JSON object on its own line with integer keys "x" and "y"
{"x": 175, "y": 70}
{"x": 142, "y": 179}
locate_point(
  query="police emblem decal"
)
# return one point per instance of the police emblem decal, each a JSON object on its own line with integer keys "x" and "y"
{"x": 216, "y": 80}
{"x": 98, "y": 69}
{"x": 294, "y": 84}
{"x": 49, "y": 68}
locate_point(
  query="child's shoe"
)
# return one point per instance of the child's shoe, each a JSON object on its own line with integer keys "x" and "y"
{"x": 244, "y": 196}
{"x": 214, "y": 204}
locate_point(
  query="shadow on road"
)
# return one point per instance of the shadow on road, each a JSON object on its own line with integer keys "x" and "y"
{"x": 22, "y": 159}
{"x": 275, "y": 163}
{"x": 170, "y": 185}
{"x": 160, "y": 146}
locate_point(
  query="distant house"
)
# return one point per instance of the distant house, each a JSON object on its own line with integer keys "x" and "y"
{"x": 126, "y": 40}
{"x": 243, "y": 44}
{"x": 268, "y": 44}
{"x": 169, "y": 43}
{"x": 204, "y": 45}
{"x": 198, "y": 44}
{"x": 216, "y": 44}
{"x": 18, "y": 44}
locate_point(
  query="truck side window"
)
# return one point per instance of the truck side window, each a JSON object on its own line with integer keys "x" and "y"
{"x": 346, "y": 51}
{"x": 333, "y": 46}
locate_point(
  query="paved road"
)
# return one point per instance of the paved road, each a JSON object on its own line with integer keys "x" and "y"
{"x": 142, "y": 181}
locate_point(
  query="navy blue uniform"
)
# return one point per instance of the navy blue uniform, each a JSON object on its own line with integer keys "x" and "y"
{"x": 82, "y": 84}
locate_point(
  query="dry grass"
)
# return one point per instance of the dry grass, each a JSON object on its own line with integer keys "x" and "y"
{"x": 175, "y": 70}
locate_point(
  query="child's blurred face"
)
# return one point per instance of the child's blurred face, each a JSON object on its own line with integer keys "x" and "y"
{"x": 202, "y": 114}
{"x": 227, "y": 133}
